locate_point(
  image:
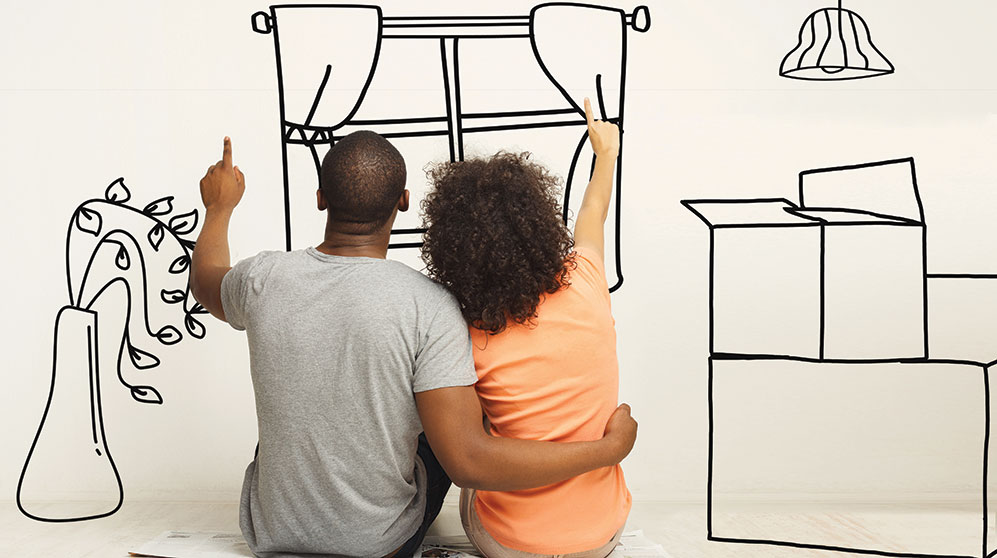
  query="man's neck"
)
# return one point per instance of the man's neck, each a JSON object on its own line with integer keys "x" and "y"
{"x": 373, "y": 245}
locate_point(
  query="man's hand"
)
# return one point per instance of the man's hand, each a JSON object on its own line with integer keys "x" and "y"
{"x": 604, "y": 136}
{"x": 223, "y": 184}
{"x": 621, "y": 431}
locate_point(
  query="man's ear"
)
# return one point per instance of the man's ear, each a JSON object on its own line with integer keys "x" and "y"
{"x": 403, "y": 201}
{"x": 320, "y": 200}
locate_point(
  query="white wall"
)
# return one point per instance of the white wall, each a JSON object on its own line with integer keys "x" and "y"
{"x": 147, "y": 90}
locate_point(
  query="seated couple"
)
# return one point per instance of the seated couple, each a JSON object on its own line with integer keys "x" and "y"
{"x": 377, "y": 386}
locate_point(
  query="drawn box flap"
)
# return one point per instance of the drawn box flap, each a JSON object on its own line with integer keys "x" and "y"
{"x": 766, "y": 212}
{"x": 883, "y": 188}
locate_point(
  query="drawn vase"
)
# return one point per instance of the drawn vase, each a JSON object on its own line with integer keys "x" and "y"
{"x": 69, "y": 457}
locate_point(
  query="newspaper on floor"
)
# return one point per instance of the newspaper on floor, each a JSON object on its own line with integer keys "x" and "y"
{"x": 189, "y": 544}
{"x": 448, "y": 547}
{"x": 633, "y": 544}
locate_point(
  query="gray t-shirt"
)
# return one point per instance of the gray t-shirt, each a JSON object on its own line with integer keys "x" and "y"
{"x": 338, "y": 345}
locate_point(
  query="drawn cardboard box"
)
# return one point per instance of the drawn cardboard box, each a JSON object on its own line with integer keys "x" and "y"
{"x": 811, "y": 280}
{"x": 814, "y": 435}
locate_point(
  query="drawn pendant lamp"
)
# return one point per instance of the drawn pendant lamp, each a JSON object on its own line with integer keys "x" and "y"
{"x": 834, "y": 45}
{"x": 109, "y": 293}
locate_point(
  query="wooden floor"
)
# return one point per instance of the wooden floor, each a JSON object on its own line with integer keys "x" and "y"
{"x": 679, "y": 528}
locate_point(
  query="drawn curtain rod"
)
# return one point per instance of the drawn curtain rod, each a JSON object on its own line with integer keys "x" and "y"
{"x": 447, "y": 27}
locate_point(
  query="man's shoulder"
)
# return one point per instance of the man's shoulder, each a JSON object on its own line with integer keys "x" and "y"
{"x": 418, "y": 282}
{"x": 264, "y": 256}
{"x": 251, "y": 266}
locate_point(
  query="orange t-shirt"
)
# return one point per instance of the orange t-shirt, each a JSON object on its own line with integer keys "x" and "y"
{"x": 557, "y": 381}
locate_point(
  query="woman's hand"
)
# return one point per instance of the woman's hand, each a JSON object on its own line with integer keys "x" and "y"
{"x": 604, "y": 136}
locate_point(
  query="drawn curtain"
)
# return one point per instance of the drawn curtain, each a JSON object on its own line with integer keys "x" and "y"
{"x": 590, "y": 63}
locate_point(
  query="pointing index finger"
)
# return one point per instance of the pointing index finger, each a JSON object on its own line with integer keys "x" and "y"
{"x": 588, "y": 112}
{"x": 227, "y": 153}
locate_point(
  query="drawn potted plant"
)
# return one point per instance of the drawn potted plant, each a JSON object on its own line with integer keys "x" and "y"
{"x": 110, "y": 249}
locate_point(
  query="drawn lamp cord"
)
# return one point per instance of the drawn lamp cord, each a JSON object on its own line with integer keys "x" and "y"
{"x": 834, "y": 45}
{"x": 107, "y": 270}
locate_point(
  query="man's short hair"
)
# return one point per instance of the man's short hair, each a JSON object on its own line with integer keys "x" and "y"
{"x": 362, "y": 179}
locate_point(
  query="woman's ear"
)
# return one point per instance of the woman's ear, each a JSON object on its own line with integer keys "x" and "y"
{"x": 403, "y": 201}
{"x": 320, "y": 200}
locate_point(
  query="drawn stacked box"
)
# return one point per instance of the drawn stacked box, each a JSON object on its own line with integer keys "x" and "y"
{"x": 795, "y": 280}
{"x": 794, "y": 290}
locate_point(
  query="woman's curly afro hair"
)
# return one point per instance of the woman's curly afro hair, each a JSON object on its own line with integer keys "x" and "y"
{"x": 495, "y": 237}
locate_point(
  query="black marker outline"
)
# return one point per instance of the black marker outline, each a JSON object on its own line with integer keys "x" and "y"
{"x": 811, "y": 220}
{"x": 829, "y": 72}
{"x": 449, "y": 31}
{"x": 93, "y": 218}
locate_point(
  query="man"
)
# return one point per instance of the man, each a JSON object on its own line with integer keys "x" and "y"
{"x": 352, "y": 356}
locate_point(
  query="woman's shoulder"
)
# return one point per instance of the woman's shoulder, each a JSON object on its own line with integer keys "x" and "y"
{"x": 587, "y": 270}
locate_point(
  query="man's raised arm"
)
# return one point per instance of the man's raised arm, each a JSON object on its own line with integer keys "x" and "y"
{"x": 221, "y": 190}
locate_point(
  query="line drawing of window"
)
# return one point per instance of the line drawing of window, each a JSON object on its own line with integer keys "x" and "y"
{"x": 331, "y": 83}
{"x": 112, "y": 252}
{"x": 829, "y": 302}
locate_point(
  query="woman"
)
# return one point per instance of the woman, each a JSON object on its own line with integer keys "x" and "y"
{"x": 537, "y": 302}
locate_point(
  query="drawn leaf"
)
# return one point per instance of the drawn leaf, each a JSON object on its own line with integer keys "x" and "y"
{"x": 88, "y": 220}
{"x": 188, "y": 244}
{"x": 169, "y": 335}
{"x": 183, "y": 224}
{"x": 172, "y": 297}
{"x": 142, "y": 359}
{"x": 156, "y": 236}
{"x": 162, "y": 206}
{"x": 195, "y": 327}
{"x": 147, "y": 394}
{"x": 117, "y": 192}
{"x": 180, "y": 264}
{"x": 122, "y": 260}
{"x": 198, "y": 309}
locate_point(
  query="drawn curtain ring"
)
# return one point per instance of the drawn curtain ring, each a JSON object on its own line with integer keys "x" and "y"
{"x": 640, "y": 19}
{"x": 262, "y": 23}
